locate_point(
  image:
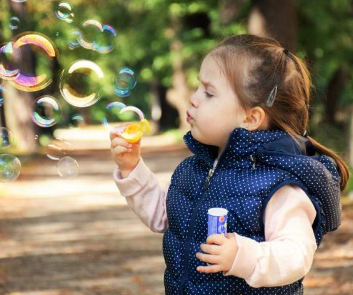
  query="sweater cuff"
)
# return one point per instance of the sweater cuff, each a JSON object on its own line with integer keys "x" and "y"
{"x": 137, "y": 179}
{"x": 249, "y": 251}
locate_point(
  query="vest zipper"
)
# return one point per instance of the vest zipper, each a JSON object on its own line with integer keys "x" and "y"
{"x": 205, "y": 186}
{"x": 207, "y": 181}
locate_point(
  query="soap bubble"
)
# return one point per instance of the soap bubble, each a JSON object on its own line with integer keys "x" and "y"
{"x": 18, "y": 1}
{"x": 46, "y": 112}
{"x": 80, "y": 83}
{"x": 7, "y": 138}
{"x": 112, "y": 112}
{"x": 76, "y": 121}
{"x": 8, "y": 67}
{"x": 31, "y": 82}
{"x": 90, "y": 30}
{"x": 14, "y": 23}
{"x": 75, "y": 35}
{"x": 118, "y": 114}
{"x": 58, "y": 149}
{"x": 64, "y": 12}
{"x": 10, "y": 167}
{"x": 96, "y": 36}
{"x": 124, "y": 82}
{"x": 103, "y": 42}
{"x": 67, "y": 167}
{"x": 2, "y": 91}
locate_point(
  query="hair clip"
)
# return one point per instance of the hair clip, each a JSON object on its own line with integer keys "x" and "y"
{"x": 271, "y": 97}
{"x": 285, "y": 50}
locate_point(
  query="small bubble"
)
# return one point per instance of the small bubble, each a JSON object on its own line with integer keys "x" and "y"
{"x": 67, "y": 167}
{"x": 10, "y": 167}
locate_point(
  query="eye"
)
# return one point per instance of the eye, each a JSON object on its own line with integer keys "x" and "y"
{"x": 208, "y": 95}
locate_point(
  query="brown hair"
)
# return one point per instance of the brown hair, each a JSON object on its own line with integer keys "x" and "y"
{"x": 260, "y": 64}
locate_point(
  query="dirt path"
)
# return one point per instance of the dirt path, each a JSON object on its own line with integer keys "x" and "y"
{"x": 78, "y": 237}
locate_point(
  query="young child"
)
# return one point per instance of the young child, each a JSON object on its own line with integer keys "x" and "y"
{"x": 252, "y": 156}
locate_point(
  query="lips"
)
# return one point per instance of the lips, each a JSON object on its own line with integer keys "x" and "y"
{"x": 188, "y": 117}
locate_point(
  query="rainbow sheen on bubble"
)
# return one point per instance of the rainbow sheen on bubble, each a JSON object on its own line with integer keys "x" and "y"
{"x": 14, "y": 23}
{"x": 7, "y": 138}
{"x": 8, "y": 68}
{"x": 33, "y": 83}
{"x": 96, "y": 36}
{"x": 81, "y": 82}
{"x": 67, "y": 167}
{"x": 112, "y": 113}
{"x": 10, "y": 168}
{"x": 18, "y": 1}
{"x": 46, "y": 111}
{"x": 103, "y": 43}
{"x": 73, "y": 39}
{"x": 124, "y": 82}
{"x": 64, "y": 12}
{"x": 2, "y": 91}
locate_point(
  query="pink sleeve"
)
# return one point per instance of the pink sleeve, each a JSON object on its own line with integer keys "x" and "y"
{"x": 287, "y": 254}
{"x": 144, "y": 196}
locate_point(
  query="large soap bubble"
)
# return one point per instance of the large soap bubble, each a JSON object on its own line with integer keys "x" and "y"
{"x": 31, "y": 83}
{"x": 80, "y": 83}
{"x": 46, "y": 111}
{"x": 10, "y": 168}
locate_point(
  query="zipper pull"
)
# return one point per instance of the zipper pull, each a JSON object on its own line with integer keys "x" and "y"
{"x": 253, "y": 159}
{"x": 207, "y": 181}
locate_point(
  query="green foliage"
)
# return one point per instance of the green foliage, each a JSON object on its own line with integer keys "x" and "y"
{"x": 147, "y": 29}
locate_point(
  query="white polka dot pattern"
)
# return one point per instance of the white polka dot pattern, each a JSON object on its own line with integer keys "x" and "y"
{"x": 252, "y": 168}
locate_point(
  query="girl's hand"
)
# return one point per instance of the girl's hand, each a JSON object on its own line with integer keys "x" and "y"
{"x": 221, "y": 253}
{"x": 126, "y": 155}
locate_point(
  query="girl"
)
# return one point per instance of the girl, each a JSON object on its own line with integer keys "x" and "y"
{"x": 252, "y": 156}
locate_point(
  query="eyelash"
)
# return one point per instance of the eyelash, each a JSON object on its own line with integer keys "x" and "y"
{"x": 208, "y": 95}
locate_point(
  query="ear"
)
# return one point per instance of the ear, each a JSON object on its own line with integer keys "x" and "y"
{"x": 256, "y": 119}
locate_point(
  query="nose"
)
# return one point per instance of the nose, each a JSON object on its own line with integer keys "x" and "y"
{"x": 193, "y": 99}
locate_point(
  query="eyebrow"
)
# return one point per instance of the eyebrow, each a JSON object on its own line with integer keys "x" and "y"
{"x": 206, "y": 83}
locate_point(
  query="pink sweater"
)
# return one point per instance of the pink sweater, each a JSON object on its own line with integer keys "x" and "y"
{"x": 285, "y": 256}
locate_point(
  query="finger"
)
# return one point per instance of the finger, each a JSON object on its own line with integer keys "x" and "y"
{"x": 210, "y": 249}
{"x": 120, "y": 150}
{"x": 115, "y": 132}
{"x": 209, "y": 269}
{"x": 120, "y": 141}
{"x": 217, "y": 239}
{"x": 207, "y": 258}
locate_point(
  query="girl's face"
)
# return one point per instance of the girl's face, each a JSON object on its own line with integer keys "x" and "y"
{"x": 215, "y": 110}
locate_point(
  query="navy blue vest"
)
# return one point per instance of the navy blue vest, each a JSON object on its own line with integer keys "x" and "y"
{"x": 251, "y": 169}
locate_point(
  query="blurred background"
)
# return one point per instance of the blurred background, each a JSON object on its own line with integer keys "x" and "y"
{"x": 64, "y": 228}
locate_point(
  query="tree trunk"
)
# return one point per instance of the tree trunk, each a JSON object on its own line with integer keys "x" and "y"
{"x": 162, "y": 113}
{"x": 18, "y": 105}
{"x": 275, "y": 19}
{"x": 333, "y": 92}
{"x": 178, "y": 95}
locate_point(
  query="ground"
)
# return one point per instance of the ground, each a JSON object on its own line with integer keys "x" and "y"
{"x": 78, "y": 237}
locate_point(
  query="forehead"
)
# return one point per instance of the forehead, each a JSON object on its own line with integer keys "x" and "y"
{"x": 211, "y": 67}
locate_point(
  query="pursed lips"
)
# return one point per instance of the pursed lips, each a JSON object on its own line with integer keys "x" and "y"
{"x": 189, "y": 118}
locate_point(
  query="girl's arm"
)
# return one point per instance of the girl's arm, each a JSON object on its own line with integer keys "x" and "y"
{"x": 287, "y": 254}
{"x": 144, "y": 196}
